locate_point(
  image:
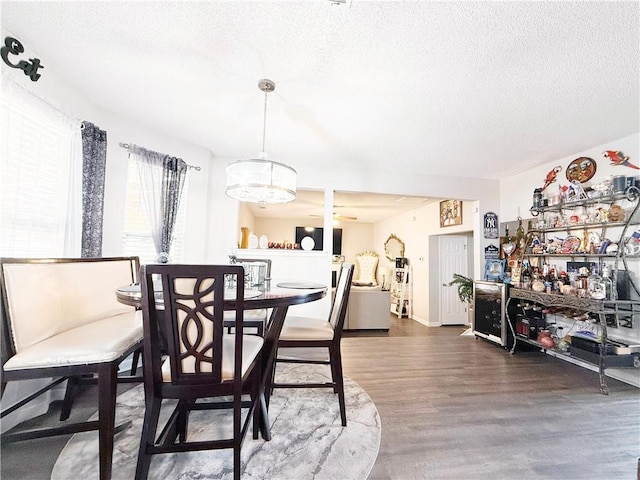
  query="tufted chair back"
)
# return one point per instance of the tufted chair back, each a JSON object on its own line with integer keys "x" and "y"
{"x": 366, "y": 269}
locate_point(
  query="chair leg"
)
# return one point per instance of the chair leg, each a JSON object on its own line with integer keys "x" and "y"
{"x": 147, "y": 438}
{"x": 107, "y": 386}
{"x": 182, "y": 422}
{"x": 256, "y": 401}
{"x": 336, "y": 362}
{"x": 265, "y": 427}
{"x": 260, "y": 329}
{"x": 69, "y": 397}
{"x": 272, "y": 377}
{"x": 237, "y": 460}
{"x": 134, "y": 361}
{"x": 334, "y": 372}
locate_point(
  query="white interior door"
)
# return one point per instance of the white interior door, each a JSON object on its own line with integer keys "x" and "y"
{"x": 453, "y": 259}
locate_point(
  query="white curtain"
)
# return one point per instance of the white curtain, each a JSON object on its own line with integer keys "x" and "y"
{"x": 41, "y": 181}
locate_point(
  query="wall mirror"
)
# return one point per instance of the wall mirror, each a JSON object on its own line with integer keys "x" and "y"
{"x": 393, "y": 248}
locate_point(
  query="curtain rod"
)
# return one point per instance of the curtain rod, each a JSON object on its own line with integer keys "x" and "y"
{"x": 196, "y": 168}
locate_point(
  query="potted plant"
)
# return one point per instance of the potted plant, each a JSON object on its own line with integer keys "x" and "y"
{"x": 465, "y": 293}
{"x": 464, "y": 286}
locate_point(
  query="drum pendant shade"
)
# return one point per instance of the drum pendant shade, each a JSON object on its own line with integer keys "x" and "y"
{"x": 259, "y": 180}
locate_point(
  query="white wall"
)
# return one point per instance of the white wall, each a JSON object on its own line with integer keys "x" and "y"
{"x": 415, "y": 228}
{"x": 516, "y": 192}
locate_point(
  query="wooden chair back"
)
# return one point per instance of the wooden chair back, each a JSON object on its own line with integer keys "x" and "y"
{"x": 193, "y": 322}
{"x": 339, "y": 305}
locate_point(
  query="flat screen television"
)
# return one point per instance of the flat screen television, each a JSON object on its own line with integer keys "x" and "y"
{"x": 337, "y": 241}
{"x": 317, "y": 235}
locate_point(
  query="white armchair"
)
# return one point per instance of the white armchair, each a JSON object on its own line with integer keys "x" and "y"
{"x": 366, "y": 269}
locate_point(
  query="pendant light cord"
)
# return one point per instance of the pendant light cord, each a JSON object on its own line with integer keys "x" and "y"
{"x": 264, "y": 122}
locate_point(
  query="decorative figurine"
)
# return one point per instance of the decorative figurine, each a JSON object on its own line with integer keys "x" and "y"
{"x": 551, "y": 177}
{"x": 618, "y": 158}
{"x": 576, "y": 192}
{"x": 616, "y": 213}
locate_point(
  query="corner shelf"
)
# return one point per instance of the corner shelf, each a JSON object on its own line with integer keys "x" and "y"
{"x": 401, "y": 300}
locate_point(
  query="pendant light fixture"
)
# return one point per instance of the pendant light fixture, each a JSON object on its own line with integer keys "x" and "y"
{"x": 259, "y": 180}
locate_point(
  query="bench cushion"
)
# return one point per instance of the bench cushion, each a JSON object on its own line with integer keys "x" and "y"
{"x": 100, "y": 341}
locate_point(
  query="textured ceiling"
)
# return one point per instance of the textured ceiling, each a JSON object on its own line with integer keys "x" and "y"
{"x": 496, "y": 87}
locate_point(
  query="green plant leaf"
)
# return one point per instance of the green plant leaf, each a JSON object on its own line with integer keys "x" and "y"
{"x": 464, "y": 286}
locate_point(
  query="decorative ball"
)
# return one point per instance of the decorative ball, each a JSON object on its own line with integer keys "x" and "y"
{"x": 547, "y": 342}
{"x": 538, "y": 286}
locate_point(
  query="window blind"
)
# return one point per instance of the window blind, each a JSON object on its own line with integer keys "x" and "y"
{"x": 41, "y": 179}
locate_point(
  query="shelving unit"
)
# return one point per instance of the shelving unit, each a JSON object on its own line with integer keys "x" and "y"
{"x": 614, "y": 312}
{"x": 601, "y": 308}
{"x": 401, "y": 292}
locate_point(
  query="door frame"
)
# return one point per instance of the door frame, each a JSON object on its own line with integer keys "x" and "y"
{"x": 435, "y": 283}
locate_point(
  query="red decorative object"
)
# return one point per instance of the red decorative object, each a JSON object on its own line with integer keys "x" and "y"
{"x": 551, "y": 177}
{"x": 618, "y": 158}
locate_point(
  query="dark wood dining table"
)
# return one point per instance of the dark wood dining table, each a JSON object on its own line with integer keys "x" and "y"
{"x": 271, "y": 296}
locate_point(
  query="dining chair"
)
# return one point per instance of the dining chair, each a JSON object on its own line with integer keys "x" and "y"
{"x": 255, "y": 318}
{"x": 61, "y": 320}
{"x": 202, "y": 362}
{"x": 316, "y": 333}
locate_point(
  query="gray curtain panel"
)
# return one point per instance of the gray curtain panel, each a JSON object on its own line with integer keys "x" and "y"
{"x": 161, "y": 182}
{"x": 174, "y": 173}
{"x": 94, "y": 160}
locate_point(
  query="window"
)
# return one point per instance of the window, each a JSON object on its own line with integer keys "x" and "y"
{"x": 137, "y": 239}
{"x": 41, "y": 180}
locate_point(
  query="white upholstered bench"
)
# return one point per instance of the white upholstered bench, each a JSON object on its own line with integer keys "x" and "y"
{"x": 61, "y": 319}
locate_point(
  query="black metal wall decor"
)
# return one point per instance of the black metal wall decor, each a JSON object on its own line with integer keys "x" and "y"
{"x": 14, "y": 47}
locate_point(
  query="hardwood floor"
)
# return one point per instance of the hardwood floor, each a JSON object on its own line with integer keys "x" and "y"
{"x": 453, "y": 407}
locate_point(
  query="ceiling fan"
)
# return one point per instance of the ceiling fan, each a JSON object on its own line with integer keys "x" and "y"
{"x": 337, "y": 216}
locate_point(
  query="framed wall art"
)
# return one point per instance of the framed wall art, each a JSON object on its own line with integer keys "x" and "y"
{"x": 450, "y": 213}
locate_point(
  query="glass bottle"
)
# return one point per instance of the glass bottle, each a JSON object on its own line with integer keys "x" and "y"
{"x": 596, "y": 286}
{"x": 583, "y": 282}
{"x": 537, "y": 198}
{"x": 548, "y": 281}
{"x": 555, "y": 283}
{"x": 526, "y": 277}
{"x": 519, "y": 234}
{"x": 608, "y": 283}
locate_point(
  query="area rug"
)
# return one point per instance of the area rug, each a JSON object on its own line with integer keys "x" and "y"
{"x": 308, "y": 440}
